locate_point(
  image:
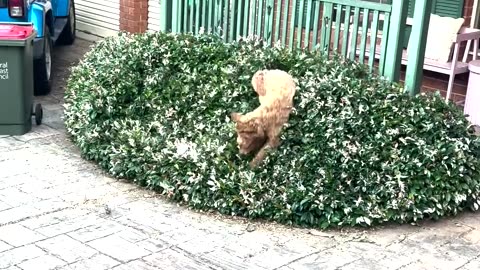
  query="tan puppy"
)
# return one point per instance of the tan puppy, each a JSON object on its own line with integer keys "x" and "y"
{"x": 260, "y": 129}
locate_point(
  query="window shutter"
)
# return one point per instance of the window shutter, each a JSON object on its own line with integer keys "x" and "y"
{"x": 448, "y": 8}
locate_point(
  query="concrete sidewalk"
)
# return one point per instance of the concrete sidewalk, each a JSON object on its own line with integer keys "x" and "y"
{"x": 58, "y": 211}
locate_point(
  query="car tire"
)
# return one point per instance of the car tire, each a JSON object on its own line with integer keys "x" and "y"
{"x": 43, "y": 67}
{"x": 69, "y": 32}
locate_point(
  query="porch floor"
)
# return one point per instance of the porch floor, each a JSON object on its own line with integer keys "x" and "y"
{"x": 433, "y": 82}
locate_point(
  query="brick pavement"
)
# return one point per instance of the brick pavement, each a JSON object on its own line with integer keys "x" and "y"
{"x": 53, "y": 216}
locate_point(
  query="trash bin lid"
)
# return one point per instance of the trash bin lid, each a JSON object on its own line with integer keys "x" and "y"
{"x": 11, "y": 31}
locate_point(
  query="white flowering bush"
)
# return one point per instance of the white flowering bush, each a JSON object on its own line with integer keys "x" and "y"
{"x": 154, "y": 108}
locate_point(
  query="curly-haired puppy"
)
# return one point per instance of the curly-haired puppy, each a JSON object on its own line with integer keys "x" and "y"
{"x": 260, "y": 129}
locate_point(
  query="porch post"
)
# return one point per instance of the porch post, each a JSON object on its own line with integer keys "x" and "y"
{"x": 475, "y": 15}
{"x": 163, "y": 15}
{"x": 175, "y": 19}
{"x": 133, "y": 15}
{"x": 395, "y": 38}
{"x": 418, "y": 42}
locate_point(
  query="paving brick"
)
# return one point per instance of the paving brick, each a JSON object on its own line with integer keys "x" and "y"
{"x": 97, "y": 262}
{"x": 439, "y": 232}
{"x": 471, "y": 265}
{"x": 12, "y": 178}
{"x": 4, "y": 206}
{"x": 119, "y": 248}
{"x": 18, "y": 235}
{"x": 17, "y": 214}
{"x": 13, "y": 267}
{"x": 54, "y": 218}
{"x": 276, "y": 256}
{"x": 66, "y": 248}
{"x": 365, "y": 264}
{"x": 206, "y": 244}
{"x": 424, "y": 254}
{"x": 96, "y": 231}
{"x": 328, "y": 259}
{"x": 132, "y": 235}
{"x": 46, "y": 262}
{"x": 182, "y": 235}
{"x": 42, "y": 192}
{"x": 171, "y": 259}
{"x": 137, "y": 265}
{"x": 39, "y": 132}
{"x": 15, "y": 197}
{"x": 249, "y": 244}
{"x": 10, "y": 143}
{"x": 17, "y": 255}
{"x": 152, "y": 244}
{"x": 148, "y": 218}
{"x": 427, "y": 263}
{"x": 72, "y": 224}
{"x": 472, "y": 237}
{"x": 4, "y": 246}
{"x": 227, "y": 259}
{"x": 469, "y": 219}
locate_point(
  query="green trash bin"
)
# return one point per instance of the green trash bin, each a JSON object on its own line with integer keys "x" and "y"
{"x": 16, "y": 79}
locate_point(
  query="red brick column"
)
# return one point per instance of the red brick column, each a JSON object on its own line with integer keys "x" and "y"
{"x": 133, "y": 15}
{"x": 467, "y": 12}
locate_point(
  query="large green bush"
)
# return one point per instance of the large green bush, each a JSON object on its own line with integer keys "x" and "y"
{"x": 154, "y": 108}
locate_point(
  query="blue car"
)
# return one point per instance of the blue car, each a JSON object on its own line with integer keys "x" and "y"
{"x": 54, "y": 22}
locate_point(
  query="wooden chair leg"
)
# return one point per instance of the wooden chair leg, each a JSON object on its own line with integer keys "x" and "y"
{"x": 475, "y": 49}
{"x": 452, "y": 71}
{"x": 450, "y": 87}
{"x": 467, "y": 51}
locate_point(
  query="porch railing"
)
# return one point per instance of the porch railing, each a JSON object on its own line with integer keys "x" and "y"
{"x": 352, "y": 28}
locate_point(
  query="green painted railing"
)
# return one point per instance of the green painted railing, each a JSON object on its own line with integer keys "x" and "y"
{"x": 361, "y": 30}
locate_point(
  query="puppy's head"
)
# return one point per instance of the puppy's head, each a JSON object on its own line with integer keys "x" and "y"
{"x": 258, "y": 82}
{"x": 250, "y": 136}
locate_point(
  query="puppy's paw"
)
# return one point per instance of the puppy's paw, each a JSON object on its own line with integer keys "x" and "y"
{"x": 255, "y": 163}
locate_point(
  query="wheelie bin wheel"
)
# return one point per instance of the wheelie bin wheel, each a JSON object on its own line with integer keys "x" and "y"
{"x": 38, "y": 114}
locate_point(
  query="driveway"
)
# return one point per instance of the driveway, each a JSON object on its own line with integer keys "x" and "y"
{"x": 58, "y": 211}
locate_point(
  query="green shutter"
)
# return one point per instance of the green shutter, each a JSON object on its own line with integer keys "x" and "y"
{"x": 448, "y": 8}
{"x": 445, "y": 8}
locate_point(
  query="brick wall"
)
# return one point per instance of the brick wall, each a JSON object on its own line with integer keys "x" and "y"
{"x": 133, "y": 15}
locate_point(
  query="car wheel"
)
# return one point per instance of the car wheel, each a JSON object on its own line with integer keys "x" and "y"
{"x": 43, "y": 67}
{"x": 69, "y": 32}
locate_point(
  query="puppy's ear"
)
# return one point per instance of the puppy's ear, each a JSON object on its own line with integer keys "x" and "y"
{"x": 235, "y": 116}
{"x": 258, "y": 82}
{"x": 259, "y": 131}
